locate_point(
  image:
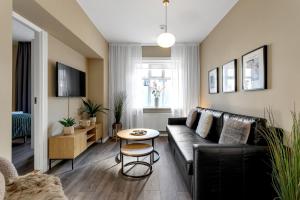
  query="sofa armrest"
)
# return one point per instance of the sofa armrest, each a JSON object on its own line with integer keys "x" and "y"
{"x": 231, "y": 172}
{"x": 177, "y": 121}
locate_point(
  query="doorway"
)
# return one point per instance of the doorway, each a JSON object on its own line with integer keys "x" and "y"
{"x": 30, "y": 96}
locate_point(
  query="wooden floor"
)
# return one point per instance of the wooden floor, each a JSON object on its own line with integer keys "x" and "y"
{"x": 97, "y": 176}
{"x": 22, "y": 156}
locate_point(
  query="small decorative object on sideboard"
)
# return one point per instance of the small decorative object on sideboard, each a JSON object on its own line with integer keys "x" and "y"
{"x": 213, "y": 81}
{"x": 68, "y": 124}
{"x": 84, "y": 123}
{"x": 229, "y": 74}
{"x": 254, "y": 69}
{"x": 92, "y": 109}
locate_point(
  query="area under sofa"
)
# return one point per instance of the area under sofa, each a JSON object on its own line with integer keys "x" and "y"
{"x": 217, "y": 171}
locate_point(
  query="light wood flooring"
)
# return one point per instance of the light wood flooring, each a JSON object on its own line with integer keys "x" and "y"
{"x": 96, "y": 175}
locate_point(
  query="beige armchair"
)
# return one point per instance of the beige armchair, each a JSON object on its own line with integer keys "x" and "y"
{"x": 32, "y": 186}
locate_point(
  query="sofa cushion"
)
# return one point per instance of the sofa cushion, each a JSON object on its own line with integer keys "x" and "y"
{"x": 204, "y": 124}
{"x": 235, "y": 132}
{"x": 191, "y": 118}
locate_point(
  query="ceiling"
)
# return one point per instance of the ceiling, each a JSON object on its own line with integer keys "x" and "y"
{"x": 21, "y": 32}
{"x": 140, "y": 20}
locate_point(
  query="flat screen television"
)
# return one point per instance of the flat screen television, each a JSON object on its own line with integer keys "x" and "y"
{"x": 70, "y": 82}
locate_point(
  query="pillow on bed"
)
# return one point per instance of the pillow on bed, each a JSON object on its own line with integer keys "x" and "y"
{"x": 17, "y": 112}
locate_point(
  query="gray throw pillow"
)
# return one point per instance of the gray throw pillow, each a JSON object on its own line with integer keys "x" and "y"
{"x": 204, "y": 124}
{"x": 235, "y": 132}
{"x": 191, "y": 118}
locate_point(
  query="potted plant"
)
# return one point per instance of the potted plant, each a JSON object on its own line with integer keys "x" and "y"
{"x": 285, "y": 159}
{"x": 156, "y": 91}
{"x": 119, "y": 102}
{"x": 92, "y": 109}
{"x": 68, "y": 124}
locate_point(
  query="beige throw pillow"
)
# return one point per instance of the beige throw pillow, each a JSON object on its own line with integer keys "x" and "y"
{"x": 204, "y": 124}
{"x": 191, "y": 118}
{"x": 2, "y": 186}
{"x": 235, "y": 132}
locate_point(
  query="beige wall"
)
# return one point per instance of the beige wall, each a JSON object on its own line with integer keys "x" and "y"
{"x": 156, "y": 51}
{"x": 58, "y": 106}
{"x": 5, "y": 77}
{"x": 14, "y": 63}
{"x": 96, "y": 88}
{"x": 250, "y": 24}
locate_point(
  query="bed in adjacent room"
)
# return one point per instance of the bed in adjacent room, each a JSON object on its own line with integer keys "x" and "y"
{"x": 21, "y": 125}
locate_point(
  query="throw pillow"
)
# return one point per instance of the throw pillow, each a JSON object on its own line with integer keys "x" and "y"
{"x": 2, "y": 186}
{"x": 204, "y": 124}
{"x": 235, "y": 132}
{"x": 191, "y": 118}
{"x": 8, "y": 170}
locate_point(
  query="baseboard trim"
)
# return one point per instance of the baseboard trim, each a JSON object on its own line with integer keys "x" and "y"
{"x": 105, "y": 139}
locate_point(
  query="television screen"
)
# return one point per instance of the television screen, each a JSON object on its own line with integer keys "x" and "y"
{"x": 70, "y": 81}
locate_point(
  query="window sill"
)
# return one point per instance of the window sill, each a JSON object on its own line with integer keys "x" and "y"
{"x": 157, "y": 110}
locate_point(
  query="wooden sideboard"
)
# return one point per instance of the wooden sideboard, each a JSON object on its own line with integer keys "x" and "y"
{"x": 68, "y": 147}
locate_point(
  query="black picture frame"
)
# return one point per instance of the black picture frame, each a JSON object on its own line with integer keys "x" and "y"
{"x": 258, "y": 78}
{"x": 213, "y": 81}
{"x": 234, "y": 64}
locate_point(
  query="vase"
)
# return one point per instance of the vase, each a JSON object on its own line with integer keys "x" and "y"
{"x": 93, "y": 120}
{"x": 156, "y": 102}
{"x": 68, "y": 130}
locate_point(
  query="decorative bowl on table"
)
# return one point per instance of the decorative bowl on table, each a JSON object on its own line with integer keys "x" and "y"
{"x": 138, "y": 132}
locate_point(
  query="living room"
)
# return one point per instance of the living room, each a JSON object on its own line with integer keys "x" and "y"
{"x": 155, "y": 100}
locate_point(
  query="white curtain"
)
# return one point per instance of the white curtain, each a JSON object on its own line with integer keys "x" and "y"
{"x": 124, "y": 62}
{"x": 187, "y": 64}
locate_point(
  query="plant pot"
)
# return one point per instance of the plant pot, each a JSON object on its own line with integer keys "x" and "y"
{"x": 93, "y": 120}
{"x": 68, "y": 130}
{"x": 156, "y": 102}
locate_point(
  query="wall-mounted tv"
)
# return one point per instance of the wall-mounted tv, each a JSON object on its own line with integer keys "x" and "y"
{"x": 70, "y": 82}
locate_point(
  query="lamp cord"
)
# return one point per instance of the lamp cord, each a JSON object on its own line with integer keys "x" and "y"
{"x": 166, "y": 19}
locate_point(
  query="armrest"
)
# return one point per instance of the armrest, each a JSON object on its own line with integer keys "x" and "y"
{"x": 231, "y": 172}
{"x": 177, "y": 121}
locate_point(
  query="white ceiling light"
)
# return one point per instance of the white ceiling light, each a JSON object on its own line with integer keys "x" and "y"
{"x": 166, "y": 39}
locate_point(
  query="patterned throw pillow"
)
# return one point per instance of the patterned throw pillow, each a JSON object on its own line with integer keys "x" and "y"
{"x": 204, "y": 124}
{"x": 235, "y": 132}
{"x": 191, "y": 118}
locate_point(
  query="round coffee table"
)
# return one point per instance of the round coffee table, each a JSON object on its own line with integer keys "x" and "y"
{"x": 127, "y": 135}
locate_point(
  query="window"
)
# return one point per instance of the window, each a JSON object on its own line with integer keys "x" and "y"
{"x": 157, "y": 83}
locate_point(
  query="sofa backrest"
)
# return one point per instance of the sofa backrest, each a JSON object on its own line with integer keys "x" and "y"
{"x": 217, "y": 124}
{"x": 256, "y": 124}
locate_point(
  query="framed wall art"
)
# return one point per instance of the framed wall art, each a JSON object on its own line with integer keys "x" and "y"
{"x": 254, "y": 69}
{"x": 229, "y": 76}
{"x": 213, "y": 84}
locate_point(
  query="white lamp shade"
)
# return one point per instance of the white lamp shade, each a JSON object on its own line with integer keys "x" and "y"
{"x": 166, "y": 40}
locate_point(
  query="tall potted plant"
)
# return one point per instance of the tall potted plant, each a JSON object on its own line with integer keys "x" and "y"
{"x": 68, "y": 124}
{"x": 119, "y": 103}
{"x": 285, "y": 160}
{"x": 92, "y": 109}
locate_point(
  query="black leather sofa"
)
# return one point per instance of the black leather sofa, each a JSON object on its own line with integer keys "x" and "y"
{"x": 214, "y": 171}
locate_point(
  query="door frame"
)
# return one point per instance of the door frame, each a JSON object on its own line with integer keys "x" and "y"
{"x": 39, "y": 96}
